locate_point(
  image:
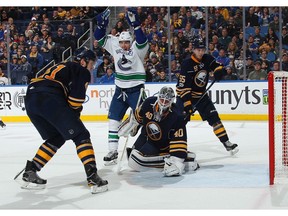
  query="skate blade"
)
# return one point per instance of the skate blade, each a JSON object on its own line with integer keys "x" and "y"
{"x": 110, "y": 163}
{"x": 234, "y": 151}
{"x": 96, "y": 189}
{"x": 32, "y": 186}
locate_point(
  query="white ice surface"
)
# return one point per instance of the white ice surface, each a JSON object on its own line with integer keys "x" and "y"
{"x": 222, "y": 182}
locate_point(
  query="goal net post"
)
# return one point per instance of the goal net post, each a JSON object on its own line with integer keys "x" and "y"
{"x": 278, "y": 126}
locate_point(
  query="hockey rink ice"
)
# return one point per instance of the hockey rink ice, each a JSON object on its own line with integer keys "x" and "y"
{"x": 222, "y": 182}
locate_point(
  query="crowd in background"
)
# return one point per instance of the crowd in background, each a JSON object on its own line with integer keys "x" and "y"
{"x": 40, "y": 35}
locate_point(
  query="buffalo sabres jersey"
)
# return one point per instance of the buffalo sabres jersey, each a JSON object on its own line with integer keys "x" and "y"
{"x": 194, "y": 76}
{"x": 70, "y": 77}
{"x": 169, "y": 131}
{"x": 129, "y": 67}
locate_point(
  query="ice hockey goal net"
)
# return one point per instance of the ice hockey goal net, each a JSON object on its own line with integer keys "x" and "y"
{"x": 278, "y": 126}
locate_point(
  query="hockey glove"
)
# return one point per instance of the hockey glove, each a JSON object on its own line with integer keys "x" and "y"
{"x": 218, "y": 74}
{"x": 189, "y": 110}
{"x": 133, "y": 18}
{"x": 103, "y": 19}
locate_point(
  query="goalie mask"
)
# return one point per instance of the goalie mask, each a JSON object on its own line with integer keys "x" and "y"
{"x": 165, "y": 100}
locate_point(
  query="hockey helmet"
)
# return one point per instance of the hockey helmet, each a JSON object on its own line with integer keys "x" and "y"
{"x": 198, "y": 43}
{"x": 125, "y": 36}
{"x": 165, "y": 99}
{"x": 84, "y": 53}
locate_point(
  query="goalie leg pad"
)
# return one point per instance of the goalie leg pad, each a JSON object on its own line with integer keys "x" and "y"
{"x": 139, "y": 162}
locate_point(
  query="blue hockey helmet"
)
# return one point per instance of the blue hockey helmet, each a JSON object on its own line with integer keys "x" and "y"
{"x": 84, "y": 53}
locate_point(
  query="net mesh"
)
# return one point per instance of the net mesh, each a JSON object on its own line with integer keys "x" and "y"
{"x": 280, "y": 126}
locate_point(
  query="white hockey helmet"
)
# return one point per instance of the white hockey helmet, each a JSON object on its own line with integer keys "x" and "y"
{"x": 126, "y": 36}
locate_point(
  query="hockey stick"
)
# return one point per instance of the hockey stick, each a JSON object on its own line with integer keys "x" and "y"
{"x": 199, "y": 100}
{"x": 19, "y": 173}
{"x": 119, "y": 166}
{"x": 142, "y": 97}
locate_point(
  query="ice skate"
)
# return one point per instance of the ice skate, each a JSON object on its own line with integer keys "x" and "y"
{"x": 2, "y": 125}
{"x": 232, "y": 148}
{"x": 111, "y": 158}
{"x": 95, "y": 182}
{"x": 30, "y": 178}
{"x": 190, "y": 162}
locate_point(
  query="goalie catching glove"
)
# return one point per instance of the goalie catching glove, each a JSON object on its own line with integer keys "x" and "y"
{"x": 133, "y": 18}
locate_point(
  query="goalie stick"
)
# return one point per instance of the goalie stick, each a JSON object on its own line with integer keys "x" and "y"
{"x": 142, "y": 97}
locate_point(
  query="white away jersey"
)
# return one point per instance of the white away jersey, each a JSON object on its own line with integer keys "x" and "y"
{"x": 129, "y": 67}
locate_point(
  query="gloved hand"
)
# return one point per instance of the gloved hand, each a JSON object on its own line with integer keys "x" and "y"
{"x": 133, "y": 18}
{"x": 218, "y": 74}
{"x": 189, "y": 110}
{"x": 103, "y": 19}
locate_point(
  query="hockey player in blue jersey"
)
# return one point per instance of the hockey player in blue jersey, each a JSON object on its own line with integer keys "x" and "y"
{"x": 191, "y": 86}
{"x": 130, "y": 74}
{"x": 53, "y": 103}
{"x": 162, "y": 142}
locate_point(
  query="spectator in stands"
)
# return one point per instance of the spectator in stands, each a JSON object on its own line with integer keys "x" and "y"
{"x": 163, "y": 45}
{"x": 35, "y": 59}
{"x": 162, "y": 59}
{"x": 265, "y": 66}
{"x": 71, "y": 35}
{"x": 37, "y": 42}
{"x": 176, "y": 46}
{"x": 212, "y": 50}
{"x": 122, "y": 19}
{"x": 276, "y": 66}
{"x": 14, "y": 65}
{"x": 253, "y": 47}
{"x": 215, "y": 41}
{"x": 176, "y": 21}
{"x": 4, "y": 16}
{"x": 48, "y": 24}
{"x": 101, "y": 70}
{"x": 232, "y": 50}
{"x": 154, "y": 66}
{"x": 264, "y": 17}
{"x": 4, "y": 60}
{"x": 189, "y": 32}
{"x": 109, "y": 76}
{"x": 285, "y": 37}
{"x": 232, "y": 27}
{"x": 22, "y": 42}
{"x": 97, "y": 49}
{"x": 257, "y": 73}
{"x": 222, "y": 58}
{"x": 175, "y": 71}
{"x": 225, "y": 39}
{"x": 182, "y": 39}
{"x": 230, "y": 74}
{"x": 263, "y": 57}
{"x": 188, "y": 51}
{"x": 251, "y": 18}
{"x": 285, "y": 62}
{"x": 141, "y": 14}
{"x": 189, "y": 19}
{"x": 258, "y": 39}
{"x": 271, "y": 34}
{"x": 47, "y": 49}
{"x": 34, "y": 26}
{"x": 25, "y": 65}
{"x": 178, "y": 57}
{"x": 160, "y": 21}
{"x": 153, "y": 32}
{"x": 3, "y": 78}
{"x": 275, "y": 23}
{"x": 37, "y": 12}
{"x": 161, "y": 77}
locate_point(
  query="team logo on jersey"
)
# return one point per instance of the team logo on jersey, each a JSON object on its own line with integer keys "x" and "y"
{"x": 124, "y": 64}
{"x": 200, "y": 78}
{"x": 154, "y": 131}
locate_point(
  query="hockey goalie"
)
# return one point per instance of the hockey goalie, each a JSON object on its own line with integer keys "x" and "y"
{"x": 162, "y": 142}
